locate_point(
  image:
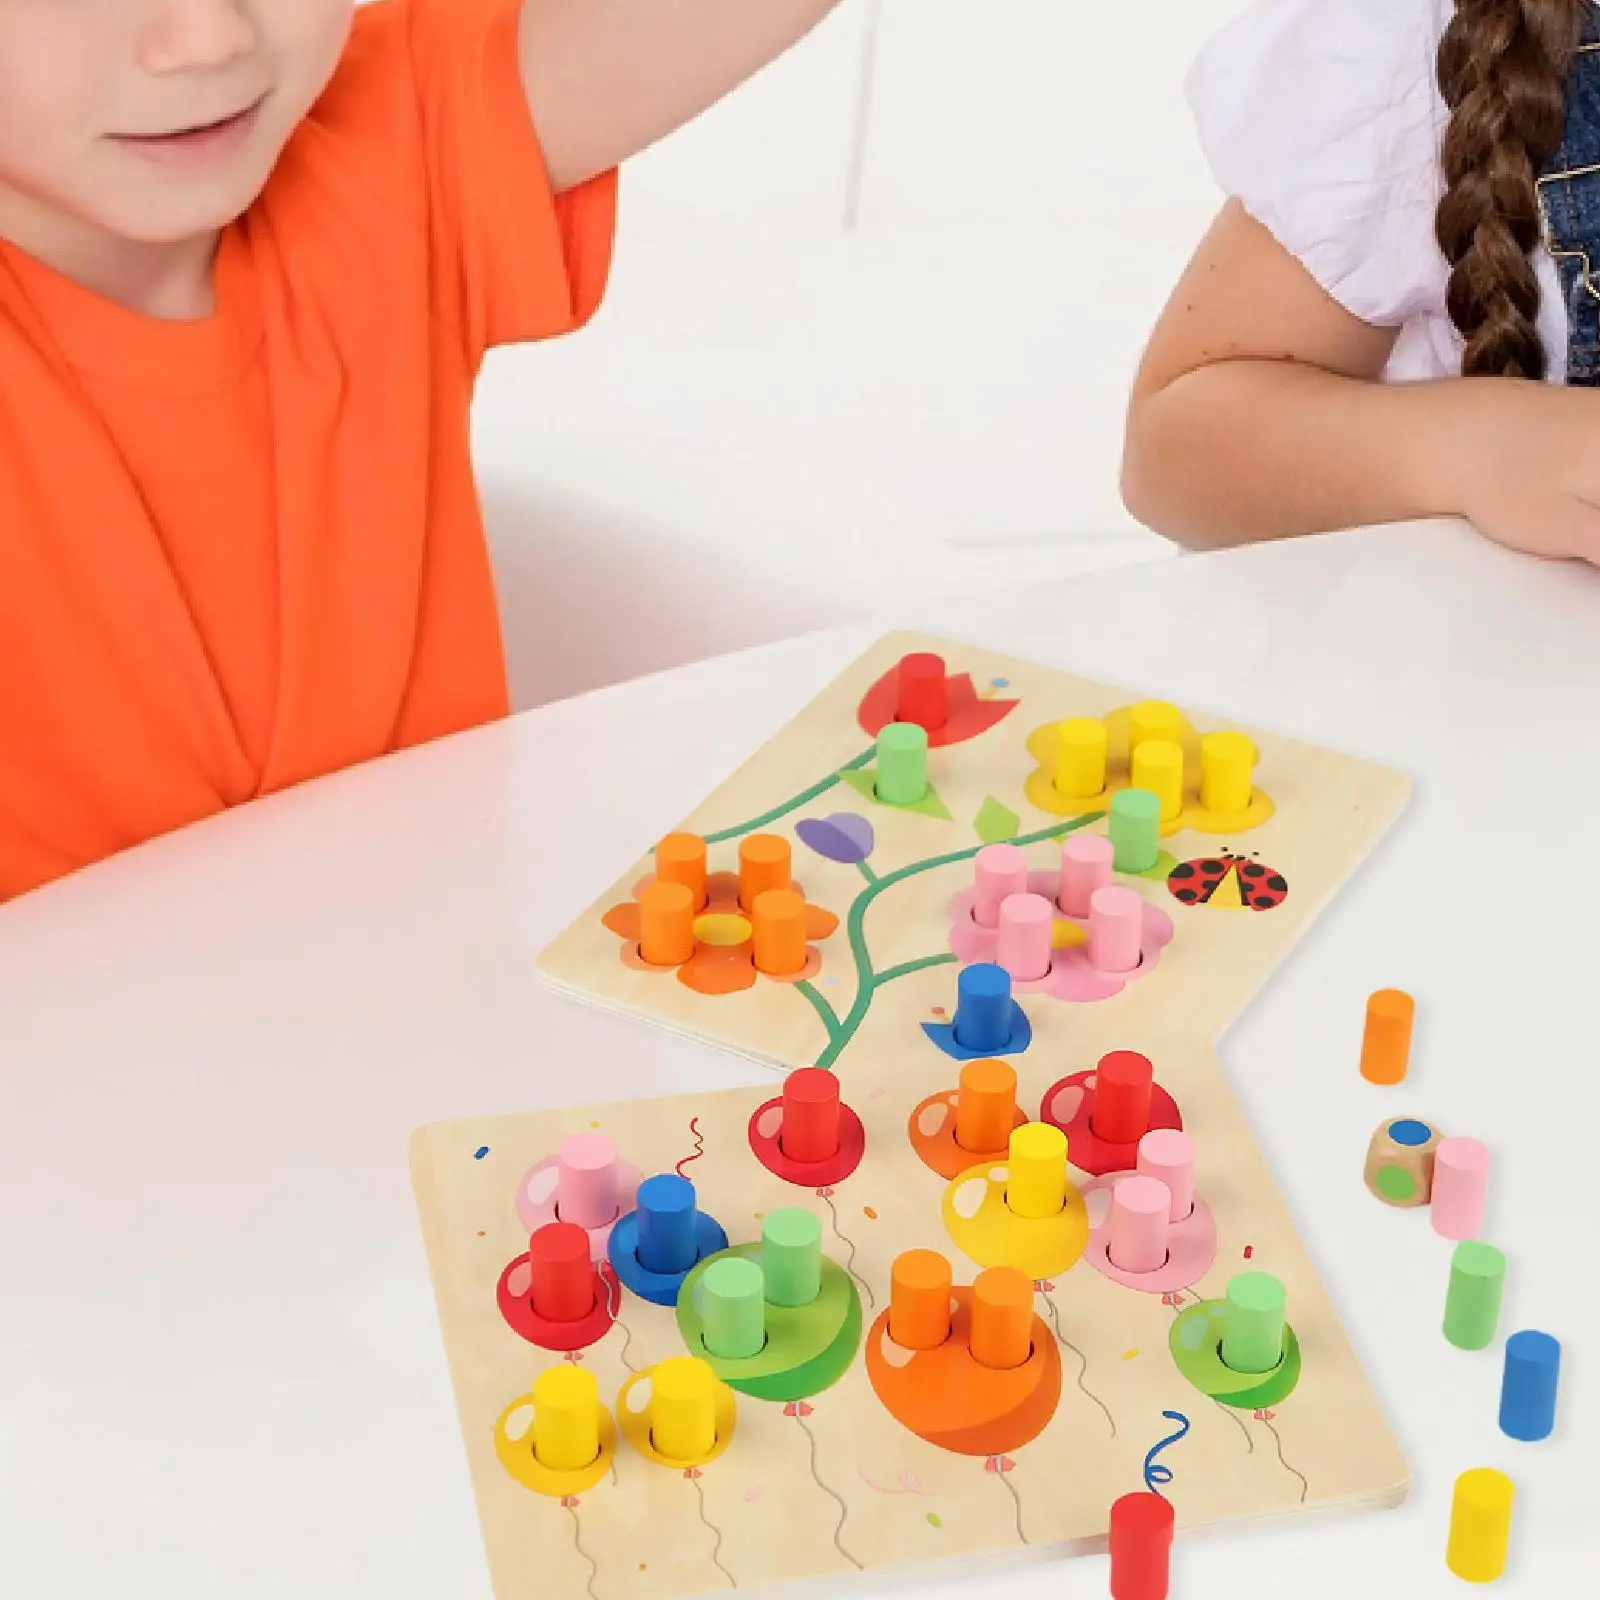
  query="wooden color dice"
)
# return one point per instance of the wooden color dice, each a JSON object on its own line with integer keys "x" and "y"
{"x": 1400, "y": 1161}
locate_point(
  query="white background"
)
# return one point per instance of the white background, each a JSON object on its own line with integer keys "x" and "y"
{"x": 778, "y": 422}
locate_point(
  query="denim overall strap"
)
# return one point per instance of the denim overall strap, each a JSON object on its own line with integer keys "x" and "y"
{"x": 1569, "y": 198}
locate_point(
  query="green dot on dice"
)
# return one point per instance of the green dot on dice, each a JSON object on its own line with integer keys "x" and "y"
{"x": 1395, "y": 1183}
{"x": 902, "y": 778}
{"x": 1252, "y": 1326}
{"x": 1472, "y": 1305}
{"x": 732, "y": 1309}
{"x": 1135, "y": 830}
{"x": 791, "y": 1257}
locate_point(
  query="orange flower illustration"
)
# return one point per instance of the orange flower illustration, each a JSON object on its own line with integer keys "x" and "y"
{"x": 723, "y": 961}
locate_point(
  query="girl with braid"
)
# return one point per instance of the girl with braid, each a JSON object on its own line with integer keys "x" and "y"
{"x": 1393, "y": 316}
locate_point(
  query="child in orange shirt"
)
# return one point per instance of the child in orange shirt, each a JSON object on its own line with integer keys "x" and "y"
{"x": 252, "y": 254}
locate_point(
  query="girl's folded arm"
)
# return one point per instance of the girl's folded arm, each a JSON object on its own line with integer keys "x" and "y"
{"x": 1258, "y": 412}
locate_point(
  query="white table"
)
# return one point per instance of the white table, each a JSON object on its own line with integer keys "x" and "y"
{"x": 220, "y": 1372}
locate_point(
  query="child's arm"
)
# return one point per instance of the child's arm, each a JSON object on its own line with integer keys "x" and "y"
{"x": 605, "y": 78}
{"x": 1258, "y": 414}
{"x": 1256, "y": 397}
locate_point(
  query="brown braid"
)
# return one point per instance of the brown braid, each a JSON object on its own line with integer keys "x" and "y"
{"x": 1503, "y": 73}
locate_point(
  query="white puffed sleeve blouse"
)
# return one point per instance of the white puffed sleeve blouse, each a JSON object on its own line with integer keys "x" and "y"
{"x": 1323, "y": 119}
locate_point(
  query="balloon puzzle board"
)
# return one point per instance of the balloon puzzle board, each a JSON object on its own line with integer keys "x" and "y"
{"x": 1004, "y": 1249}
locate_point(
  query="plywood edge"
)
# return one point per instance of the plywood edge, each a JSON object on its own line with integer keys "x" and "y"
{"x": 1165, "y": 1045}
{"x": 659, "y": 1022}
{"x": 419, "y": 1157}
{"x": 1386, "y": 815}
{"x": 912, "y": 1577}
{"x": 904, "y": 640}
{"x": 420, "y": 1148}
{"x": 1397, "y": 801}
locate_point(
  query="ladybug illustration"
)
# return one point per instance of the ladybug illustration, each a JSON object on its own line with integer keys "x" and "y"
{"x": 1228, "y": 882}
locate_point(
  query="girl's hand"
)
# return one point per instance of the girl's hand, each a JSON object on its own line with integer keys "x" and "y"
{"x": 1523, "y": 461}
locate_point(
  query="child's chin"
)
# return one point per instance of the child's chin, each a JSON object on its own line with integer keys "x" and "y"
{"x": 175, "y": 212}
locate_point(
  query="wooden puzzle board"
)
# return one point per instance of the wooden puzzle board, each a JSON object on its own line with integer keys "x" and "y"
{"x": 840, "y": 1487}
{"x": 837, "y": 1485}
{"x": 1329, "y": 811}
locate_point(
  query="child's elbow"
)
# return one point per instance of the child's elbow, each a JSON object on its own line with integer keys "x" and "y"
{"x": 1141, "y": 483}
{"x": 1150, "y": 478}
{"x": 1138, "y": 498}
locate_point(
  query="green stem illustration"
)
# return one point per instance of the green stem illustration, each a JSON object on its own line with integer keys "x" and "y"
{"x": 867, "y": 984}
{"x": 806, "y": 795}
{"x": 819, "y": 1004}
{"x": 906, "y": 968}
{"x": 841, "y": 1030}
{"x": 830, "y": 1017}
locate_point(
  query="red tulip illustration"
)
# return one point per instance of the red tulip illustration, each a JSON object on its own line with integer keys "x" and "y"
{"x": 918, "y": 689}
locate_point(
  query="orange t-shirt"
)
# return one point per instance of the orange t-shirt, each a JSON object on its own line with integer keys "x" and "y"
{"x": 246, "y": 551}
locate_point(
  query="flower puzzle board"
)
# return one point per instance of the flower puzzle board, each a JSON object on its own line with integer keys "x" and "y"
{"x": 862, "y": 904}
{"x": 887, "y": 887}
{"x": 875, "y": 1457}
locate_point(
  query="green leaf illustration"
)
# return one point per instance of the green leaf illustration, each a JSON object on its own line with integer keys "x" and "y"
{"x": 995, "y": 823}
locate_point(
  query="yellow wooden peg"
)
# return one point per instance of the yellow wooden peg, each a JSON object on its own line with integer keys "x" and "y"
{"x": 1081, "y": 758}
{"x": 566, "y": 1418}
{"x": 1153, "y": 719}
{"x": 1480, "y": 1525}
{"x": 1227, "y": 763}
{"x": 1158, "y": 767}
{"x": 1036, "y": 1171}
{"x": 683, "y": 1409}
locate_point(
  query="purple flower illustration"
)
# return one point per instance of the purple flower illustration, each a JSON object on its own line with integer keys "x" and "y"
{"x": 843, "y": 837}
